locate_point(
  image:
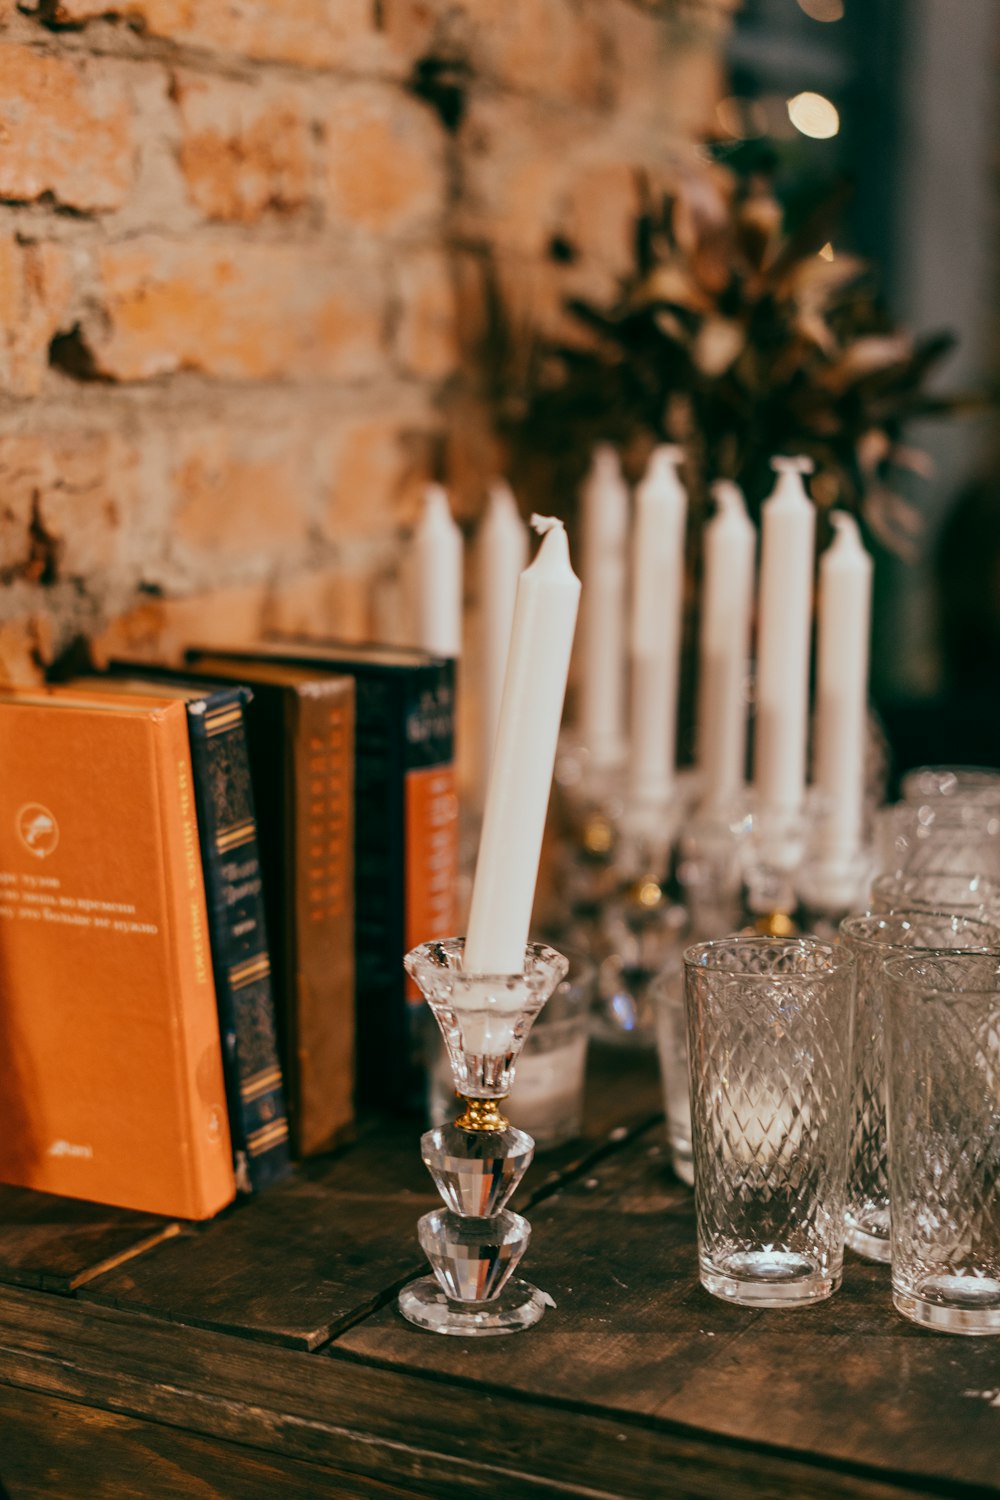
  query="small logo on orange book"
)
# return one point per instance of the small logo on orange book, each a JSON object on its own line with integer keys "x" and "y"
{"x": 67, "y": 1148}
{"x": 37, "y": 829}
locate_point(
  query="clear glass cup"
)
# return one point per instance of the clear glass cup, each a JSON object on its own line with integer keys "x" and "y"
{"x": 947, "y": 835}
{"x": 935, "y": 890}
{"x": 546, "y": 1097}
{"x": 944, "y": 1124}
{"x": 666, "y": 994}
{"x": 873, "y": 939}
{"x": 969, "y": 783}
{"x": 769, "y": 1048}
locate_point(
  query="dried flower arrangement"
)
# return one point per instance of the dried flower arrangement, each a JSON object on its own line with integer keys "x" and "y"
{"x": 739, "y": 341}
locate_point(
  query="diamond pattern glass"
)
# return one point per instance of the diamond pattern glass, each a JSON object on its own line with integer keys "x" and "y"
{"x": 943, "y": 1036}
{"x": 873, "y": 939}
{"x": 769, "y": 1028}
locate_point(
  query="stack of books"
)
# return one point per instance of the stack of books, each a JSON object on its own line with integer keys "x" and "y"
{"x": 208, "y": 881}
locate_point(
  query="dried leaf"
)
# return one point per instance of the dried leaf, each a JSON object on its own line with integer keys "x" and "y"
{"x": 718, "y": 343}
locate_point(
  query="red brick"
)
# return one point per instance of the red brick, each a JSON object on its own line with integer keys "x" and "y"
{"x": 240, "y": 311}
{"x": 517, "y": 164}
{"x": 160, "y": 629}
{"x": 549, "y": 47}
{"x": 65, "y": 129}
{"x": 426, "y": 333}
{"x": 78, "y": 491}
{"x": 310, "y": 33}
{"x": 244, "y": 149}
{"x": 25, "y": 648}
{"x": 241, "y": 492}
{"x": 374, "y": 466}
{"x": 384, "y": 160}
{"x": 36, "y": 289}
{"x": 335, "y": 602}
{"x": 603, "y": 203}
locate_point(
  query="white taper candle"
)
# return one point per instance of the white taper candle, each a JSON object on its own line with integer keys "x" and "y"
{"x": 724, "y": 649}
{"x": 605, "y": 516}
{"x": 503, "y": 552}
{"x": 784, "y": 633}
{"x": 503, "y": 890}
{"x": 436, "y": 576}
{"x": 655, "y": 634}
{"x": 845, "y": 595}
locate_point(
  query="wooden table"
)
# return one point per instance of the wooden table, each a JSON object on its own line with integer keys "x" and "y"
{"x": 262, "y": 1355}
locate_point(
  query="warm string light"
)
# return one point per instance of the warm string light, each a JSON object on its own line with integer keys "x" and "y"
{"x": 823, "y": 10}
{"x": 814, "y": 115}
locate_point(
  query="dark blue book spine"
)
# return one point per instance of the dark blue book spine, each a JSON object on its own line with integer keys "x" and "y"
{"x": 227, "y": 828}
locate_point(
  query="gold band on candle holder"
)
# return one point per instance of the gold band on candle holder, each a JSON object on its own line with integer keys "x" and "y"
{"x": 775, "y": 924}
{"x": 481, "y": 1114}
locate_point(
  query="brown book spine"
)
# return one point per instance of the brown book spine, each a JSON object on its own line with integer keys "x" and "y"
{"x": 322, "y": 913}
{"x": 198, "y": 1059}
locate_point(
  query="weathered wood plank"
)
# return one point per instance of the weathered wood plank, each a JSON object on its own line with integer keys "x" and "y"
{"x": 309, "y": 1258}
{"x": 435, "y": 1437}
{"x": 58, "y": 1244}
{"x": 53, "y": 1448}
{"x": 848, "y": 1381}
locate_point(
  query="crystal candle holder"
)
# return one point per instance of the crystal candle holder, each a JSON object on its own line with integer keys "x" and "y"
{"x": 474, "y": 1244}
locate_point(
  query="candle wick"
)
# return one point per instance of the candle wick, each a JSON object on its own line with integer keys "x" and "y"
{"x": 544, "y": 524}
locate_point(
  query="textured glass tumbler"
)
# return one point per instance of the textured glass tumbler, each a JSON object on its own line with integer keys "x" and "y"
{"x": 944, "y": 1129}
{"x": 667, "y": 996}
{"x": 946, "y": 834}
{"x": 936, "y": 890}
{"x": 873, "y": 939}
{"x": 769, "y": 1055}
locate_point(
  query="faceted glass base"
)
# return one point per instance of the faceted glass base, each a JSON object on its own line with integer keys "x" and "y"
{"x": 518, "y": 1306}
{"x": 475, "y": 1171}
{"x": 768, "y": 1278}
{"x": 473, "y": 1258}
{"x": 953, "y": 1304}
{"x": 869, "y": 1238}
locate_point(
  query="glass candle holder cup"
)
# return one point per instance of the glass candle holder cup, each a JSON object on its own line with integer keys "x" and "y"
{"x": 873, "y": 939}
{"x": 944, "y": 1123}
{"x": 769, "y": 1048}
{"x": 547, "y": 1093}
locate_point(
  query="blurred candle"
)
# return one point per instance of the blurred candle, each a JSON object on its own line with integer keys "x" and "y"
{"x": 724, "y": 648}
{"x": 503, "y": 552}
{"x": 517, "y": 796}
{"x": 655, "y": 636}
{"x": 786, "y": 586}
{"x": 436, "y": 574}
{"x": 602, "y": 618}
{"x": 845, "y": 597}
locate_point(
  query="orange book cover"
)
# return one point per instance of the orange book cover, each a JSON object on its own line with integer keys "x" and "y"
{"x": 112, "y": 1081}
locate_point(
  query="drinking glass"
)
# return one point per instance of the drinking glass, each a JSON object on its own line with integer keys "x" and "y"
{"x": 969, "y": 783}
{"x": 873, "y": 939}
{"x": 666, "y": 995}
{"x": 769, "y": 1054}
{"x": 935, "y": 890}
{"x": 946, "y": 835}
{"x": 944, "y": 1126}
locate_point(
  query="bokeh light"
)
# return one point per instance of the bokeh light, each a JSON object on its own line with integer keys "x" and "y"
{"x": 814, "y": 115}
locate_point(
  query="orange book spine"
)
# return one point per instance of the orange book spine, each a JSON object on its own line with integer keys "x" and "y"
{"x": 198, "y": 1060}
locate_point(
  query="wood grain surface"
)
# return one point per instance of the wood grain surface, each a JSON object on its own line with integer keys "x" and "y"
{"x": 263, "y": 1352}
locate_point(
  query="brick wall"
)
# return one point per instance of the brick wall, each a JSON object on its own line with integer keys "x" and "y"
{"x": 243, "y": 250}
